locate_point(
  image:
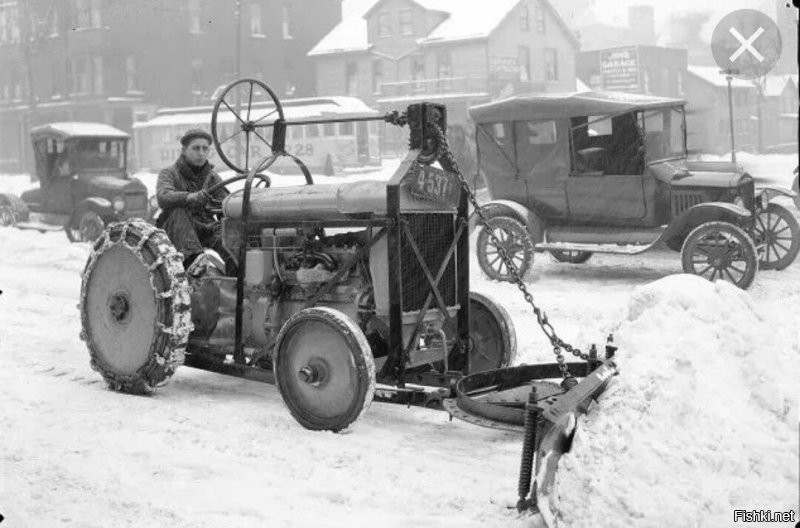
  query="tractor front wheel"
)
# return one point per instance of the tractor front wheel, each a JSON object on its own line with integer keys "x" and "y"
{"x": 513, "y": 237}
{"x": 135, "y": 313}
{"x": 720, "y": 250}
{"x": 324, "y": 369}
{"x": 492, "y": 340}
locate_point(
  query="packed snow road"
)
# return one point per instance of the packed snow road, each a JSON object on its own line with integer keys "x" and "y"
{"x": 702, "y": 419}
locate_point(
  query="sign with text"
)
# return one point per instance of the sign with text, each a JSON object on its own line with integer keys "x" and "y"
{"x": 620, "y": 69}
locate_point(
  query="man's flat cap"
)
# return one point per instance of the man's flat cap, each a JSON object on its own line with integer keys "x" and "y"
{"x": 195, "y": 133}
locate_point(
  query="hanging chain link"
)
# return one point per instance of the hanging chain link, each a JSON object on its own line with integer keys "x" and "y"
{"x": 449, "y": 163}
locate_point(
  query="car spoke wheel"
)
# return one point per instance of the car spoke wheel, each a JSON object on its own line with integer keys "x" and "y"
{"x": 324, "y": 369}
{"x": 89, "y": 228}
{"x": 135, "y": 313}
{"x": 570, "y": 256}
{"x": 7, "y": 217}
{"x": 720, "y": 251}
{"x": 514, "y": 238}
{"x": 777, "y": 234}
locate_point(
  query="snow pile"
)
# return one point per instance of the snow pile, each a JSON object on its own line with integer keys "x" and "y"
{"x": 697, "y": 425}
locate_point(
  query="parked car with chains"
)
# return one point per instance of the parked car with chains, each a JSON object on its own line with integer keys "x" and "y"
{"x": 83, "y": 182}
{"x": 582, "y": 173}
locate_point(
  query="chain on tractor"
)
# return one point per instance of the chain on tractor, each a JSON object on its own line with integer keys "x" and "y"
{"x": 449, "y": 163}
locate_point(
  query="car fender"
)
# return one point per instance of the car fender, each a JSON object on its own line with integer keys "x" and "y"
{"x": 766, "y": 194}
{"x": 680, "y": 227}
{"x": 101, "y": 206}
{"x": 517, "y": 211}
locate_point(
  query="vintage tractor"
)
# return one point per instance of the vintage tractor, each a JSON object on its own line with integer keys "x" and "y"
{"x": 83, "y": 182}
{"x": 343, "y": 293}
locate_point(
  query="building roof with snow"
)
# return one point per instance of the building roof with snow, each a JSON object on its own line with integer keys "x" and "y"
{"x": 464, "y": 21}
{"x": 69, "y": 129}
{"x": 775, "y": 84}
{"x": 712, "y": 75}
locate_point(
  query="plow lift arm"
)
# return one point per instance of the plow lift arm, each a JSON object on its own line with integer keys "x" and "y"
{"x": 521, "y": 398}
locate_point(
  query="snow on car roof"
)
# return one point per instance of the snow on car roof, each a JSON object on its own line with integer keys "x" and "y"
{"x": 307, "y": 108}
{"x": 555, "y": 105}
{"x": 78, "y": 129}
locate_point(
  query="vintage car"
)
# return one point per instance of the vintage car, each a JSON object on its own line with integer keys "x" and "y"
{"x": 581, "y": 173}
{"x": 83, "y": 182}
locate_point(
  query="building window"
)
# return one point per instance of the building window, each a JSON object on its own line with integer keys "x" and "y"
{"x": 538, "y": 13}
{"x": 132, "y": 74}
{"x": 680, "y": 83}
{"x": 524, "y": 18}
{"x": 346, "y": 129}
{"x": 286, "y": 27}
{"x": 87, "y": 13}
{"x": 444, "y": 69}
{"x": 377, "y": 76}
{"x": 550, "y": 64}
{"x": 56, "y": 76}
{"x": 384, "y": 25}
{"x": 255, "y": 20}
{"x": 197, "y": 76}
{"x": 97, "y": 75}
{"x": 312, "y": 131}
{"x": 79, "y": 76}
{"x": 418, "y": 72}
{"x": 328, "y": 129}
{"x": 194, "y": 16}
{"x": 9, "y": 24}
{"x": 406, "y": 24}
{"x": 351, "y": 78}
{"x": 524, "y": 63}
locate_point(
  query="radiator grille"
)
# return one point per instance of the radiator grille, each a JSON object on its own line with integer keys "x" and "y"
{"x": 433, "y": 233}
{"x": 681, "y": 201}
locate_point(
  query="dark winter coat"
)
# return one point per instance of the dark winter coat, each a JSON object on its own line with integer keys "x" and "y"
{"x": 177, "y": 181}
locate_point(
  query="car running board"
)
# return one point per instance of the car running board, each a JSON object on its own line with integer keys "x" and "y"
{"x": 38, "y": 226}
{"x": 623, "y": 249}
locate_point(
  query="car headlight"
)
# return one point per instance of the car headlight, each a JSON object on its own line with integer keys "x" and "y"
{"x": 153, "y": 203}
{"x": 119, "y": 204}
{"x": 739, "y": 201}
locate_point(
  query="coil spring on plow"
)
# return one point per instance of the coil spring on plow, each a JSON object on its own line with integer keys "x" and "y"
{"x": 520, "y": 398}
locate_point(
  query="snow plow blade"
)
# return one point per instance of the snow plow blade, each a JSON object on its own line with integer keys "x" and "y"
{"x": 524, "y": 399}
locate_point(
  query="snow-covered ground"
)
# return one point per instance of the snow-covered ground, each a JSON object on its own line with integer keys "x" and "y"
{"x": 702, "y": 420}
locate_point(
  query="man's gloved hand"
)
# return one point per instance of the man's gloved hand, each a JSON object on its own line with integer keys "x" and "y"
{"x": 198, "y": 198}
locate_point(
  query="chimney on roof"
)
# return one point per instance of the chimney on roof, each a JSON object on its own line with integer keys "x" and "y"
{"x": 641, "y": 21}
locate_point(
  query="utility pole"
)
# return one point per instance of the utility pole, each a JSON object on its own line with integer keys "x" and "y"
{"x": 729, "y": 73}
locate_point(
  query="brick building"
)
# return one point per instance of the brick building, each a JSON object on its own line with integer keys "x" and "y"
{"x": 109, "y": 60}
{"x": 393, "y": 52}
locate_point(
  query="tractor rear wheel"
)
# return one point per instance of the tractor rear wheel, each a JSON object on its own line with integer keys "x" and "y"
{"x": 324, "y": 369}
{"x": 720, "y": 250}
{"x": 514, "y": 238}
{"x": 777, "y": 228}
{"x": 135, "y": 313}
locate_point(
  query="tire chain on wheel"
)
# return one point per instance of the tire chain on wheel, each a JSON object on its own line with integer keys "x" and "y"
{"x": 449, "y": 163}
{"x": 162, "y": 363}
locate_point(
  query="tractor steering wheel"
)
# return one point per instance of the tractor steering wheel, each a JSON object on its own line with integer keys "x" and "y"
{"x": 262, "y": 181}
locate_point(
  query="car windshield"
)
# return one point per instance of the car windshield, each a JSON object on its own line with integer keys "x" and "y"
{"x": 95, "y": 154}
{"x": 663, "y": 132}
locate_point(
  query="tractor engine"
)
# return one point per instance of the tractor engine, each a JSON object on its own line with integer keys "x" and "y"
{"x": 301, "y": 252}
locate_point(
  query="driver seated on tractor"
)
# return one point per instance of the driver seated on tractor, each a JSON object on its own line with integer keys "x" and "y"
{"x": 182, "y": 195}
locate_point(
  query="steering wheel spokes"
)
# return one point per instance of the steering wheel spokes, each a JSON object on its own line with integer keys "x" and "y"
{"x": 243, "y": 124}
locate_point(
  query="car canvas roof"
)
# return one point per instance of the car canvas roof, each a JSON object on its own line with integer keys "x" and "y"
{"x": 74, "y": 129}
{"x": 562, "y": 105}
